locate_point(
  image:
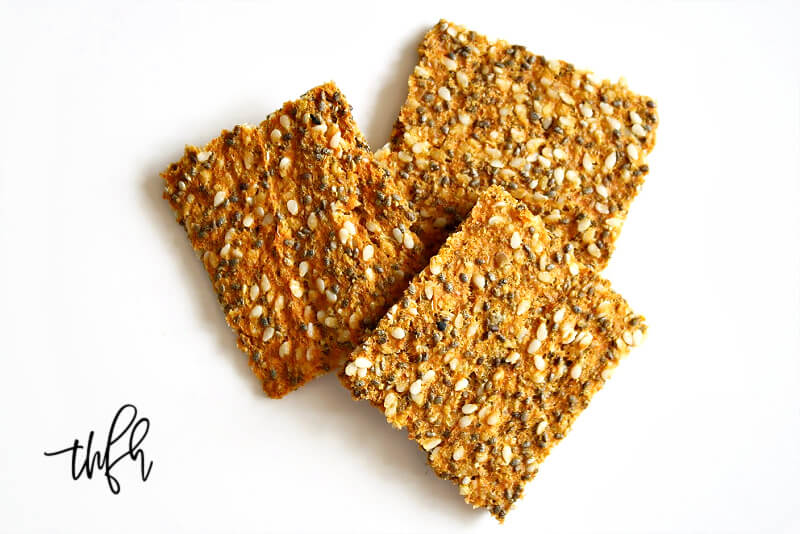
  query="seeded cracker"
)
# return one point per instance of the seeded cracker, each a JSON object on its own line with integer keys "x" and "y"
{"x": 493, "y": 351}
{"x": 478, "y": 113}
{"x": 304, "y": 240}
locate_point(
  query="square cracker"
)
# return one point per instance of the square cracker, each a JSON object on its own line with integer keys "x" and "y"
{"x": 483, "y": 112}
{"x": 493, "y": 351}
{"x": 305, "y": 240}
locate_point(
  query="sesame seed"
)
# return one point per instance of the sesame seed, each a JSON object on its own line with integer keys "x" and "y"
{"x": 541, "y": 427}
{"x": 265, "y": 284}
{"x": 335, "y": 140}
{"x": 331, "y": 296}
{"x": 516, "y": 240}
{"x": 372, "y": 226}
{"x": 469, "y": 408}
{"x": 368, "y": 252}
{"x": 350, "y": 369}
{"x": 497, "y": 219}
{"x": 254, "y": 291}
{"x": 465, "y": 421}
{"x": 283, "y": 350}
{"x": 363, "y": 363}
{"x": 285, "y": 122}
{"x": 633, "y": 152}
{"x": 461, "y": 384}
{"x": 416, "y": 387}
{"x": 610, "y": 161}
{"x": 295, "y": 288}
{"x": 558, "y": 316}
{"x": 256, "y": 312}
{"x": 449, "y": 63}
{"x": 408, "y": 240}
{"x": 202, "y": 157}
{"x": 523, "y": 307}
{"x": 219, "y": 198}
{"x": 545, "y": 277}
{"x": 398, "y": 333}
{"x": 533, "y": 346}
{"x": 478, "y": 280}
{"x": 588, "y": 164}
{"x": 458, "y": 453}
{"x": 594, "y": 250}
{"x": 638, "y": 130}
{"x": 429, "y": 443}
{"x": 635, "y": 118}
{"x": 275, "y": 135}
{"x": 397, "y": 234}
{"x": 493, "y": 419}
{"x": 284, "y": 165}
{"x": 576, "y": 371}
{"x": 444, "y": 93}
{"x": 506, "y": 454}
{"x": 292, "y": 206}
{"x": 539, "y": 362}
{"x": 268, "y": 333}
{"x": 462, "y": 79}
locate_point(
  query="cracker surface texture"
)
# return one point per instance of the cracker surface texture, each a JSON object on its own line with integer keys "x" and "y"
{"x": 493, "y": 351}
{"x": 482, "y": 112}
{"x": 305, "y": 240}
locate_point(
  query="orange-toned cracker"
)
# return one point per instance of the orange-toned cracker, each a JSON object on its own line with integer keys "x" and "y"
{"x": 493, "y": 351}
{"x": 305, "y": 240}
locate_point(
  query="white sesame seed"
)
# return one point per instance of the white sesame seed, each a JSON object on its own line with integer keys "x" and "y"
{"x": 292, "y": 206}
{"x": 523, "y": 307}
{"x": 513, "y": 358}
{"x": 601, "y": 208}
{"x": 606, "y": 108}
{"x": 533, "y": 346}
{"x": 268, "y": 333}
{"x": 219, "y": 198}
{"x": 372, "y": 226}
{"x": 543, "y": 161}
{"x": 398, "y": 333}
{"x": 586, "y": 110}
{"x": 416, "y": 387}
{"x": 331, "y": 296}
{"x": 444, "y": 93}
{"x": 465, "y": 421}
{"x": 576, "y": 371}
{"x": 462, "y": 79}
{"x": 461, "y": 384}
{"x": 312, "y": 221}
{"x": 429, "y": 292}
{"x": 541, "y": 332}
{"x": 397, "y": 234}
{"x": 256, "y": 312}
{"x": 545, "y": 277}
{"x": 449, "y": 63}
{"x": 478, "y": 280}
{"x": 368, "y": 252}
{"x": 633, "y": 152}
{"x": 279, "y": 303}
{"x": 225, "y": 251}
{"x": 202, "y": 157}
{"x": 408, "y": 240}
{"x": 594, "y": 250}
{"x": 283, "y": 350}
{"x": 350, "y": 369}
{"x": 361, "y": 373}
{"x": 284, "y": 165}
{"x": 506, "y": 454}
{"x": 390, "y": 400}
{"x": 458, "y": 453}
{"x": 610, "y": 161}
{"x": 588, "y": 164}
{"x": 344, "y": 235}
{"x": 254, "y": 292}
{"x": 539, "y": 362}
{"x": 429, "y": 376}
{"x": 335, "y": 140}
{"x": 627, "y": 337}
{"x": 464, "y": 118}
{"x": 635, "y": 118}
{"x": 265, "y": 285}
{"x": 275, "y": 135}
{"x": 492, "y": 419}
{"x": 516, "y": 240}
{"x": 558, "y": 316}
{"x": 321, "y": 128}
{"x": 638, "y": 130}
{"x": 363, "y": 363}
{"x": 435, "y": 268}
{"x": 295, "y": 288}
{"x": 540, "y": 428}
{"x": 469, "y": 408}
{"x": 419, "y": 148}
{"x": 429, "y": 443}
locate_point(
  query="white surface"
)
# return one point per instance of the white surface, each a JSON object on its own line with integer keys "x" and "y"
{"x": 103, "y": 302}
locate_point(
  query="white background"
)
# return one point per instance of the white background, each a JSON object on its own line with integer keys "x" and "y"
{"x": 102, "y": 301}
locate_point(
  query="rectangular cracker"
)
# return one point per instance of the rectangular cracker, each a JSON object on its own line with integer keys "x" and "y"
{"x": 493, "y": 351}
{"x": 479, "y": 112}
{"x": 305, "y": 240}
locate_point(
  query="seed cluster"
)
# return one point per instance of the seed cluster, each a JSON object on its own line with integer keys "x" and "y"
{"x": 305, "y": 239}
{"x": 493, "y": 350}
{"x": 478, "y": 113}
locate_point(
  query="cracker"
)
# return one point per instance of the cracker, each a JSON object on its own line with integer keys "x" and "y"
{"x": 493, "y": 351}
{"x": 479, "y": 112}
{"x": 305, "y": 240}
